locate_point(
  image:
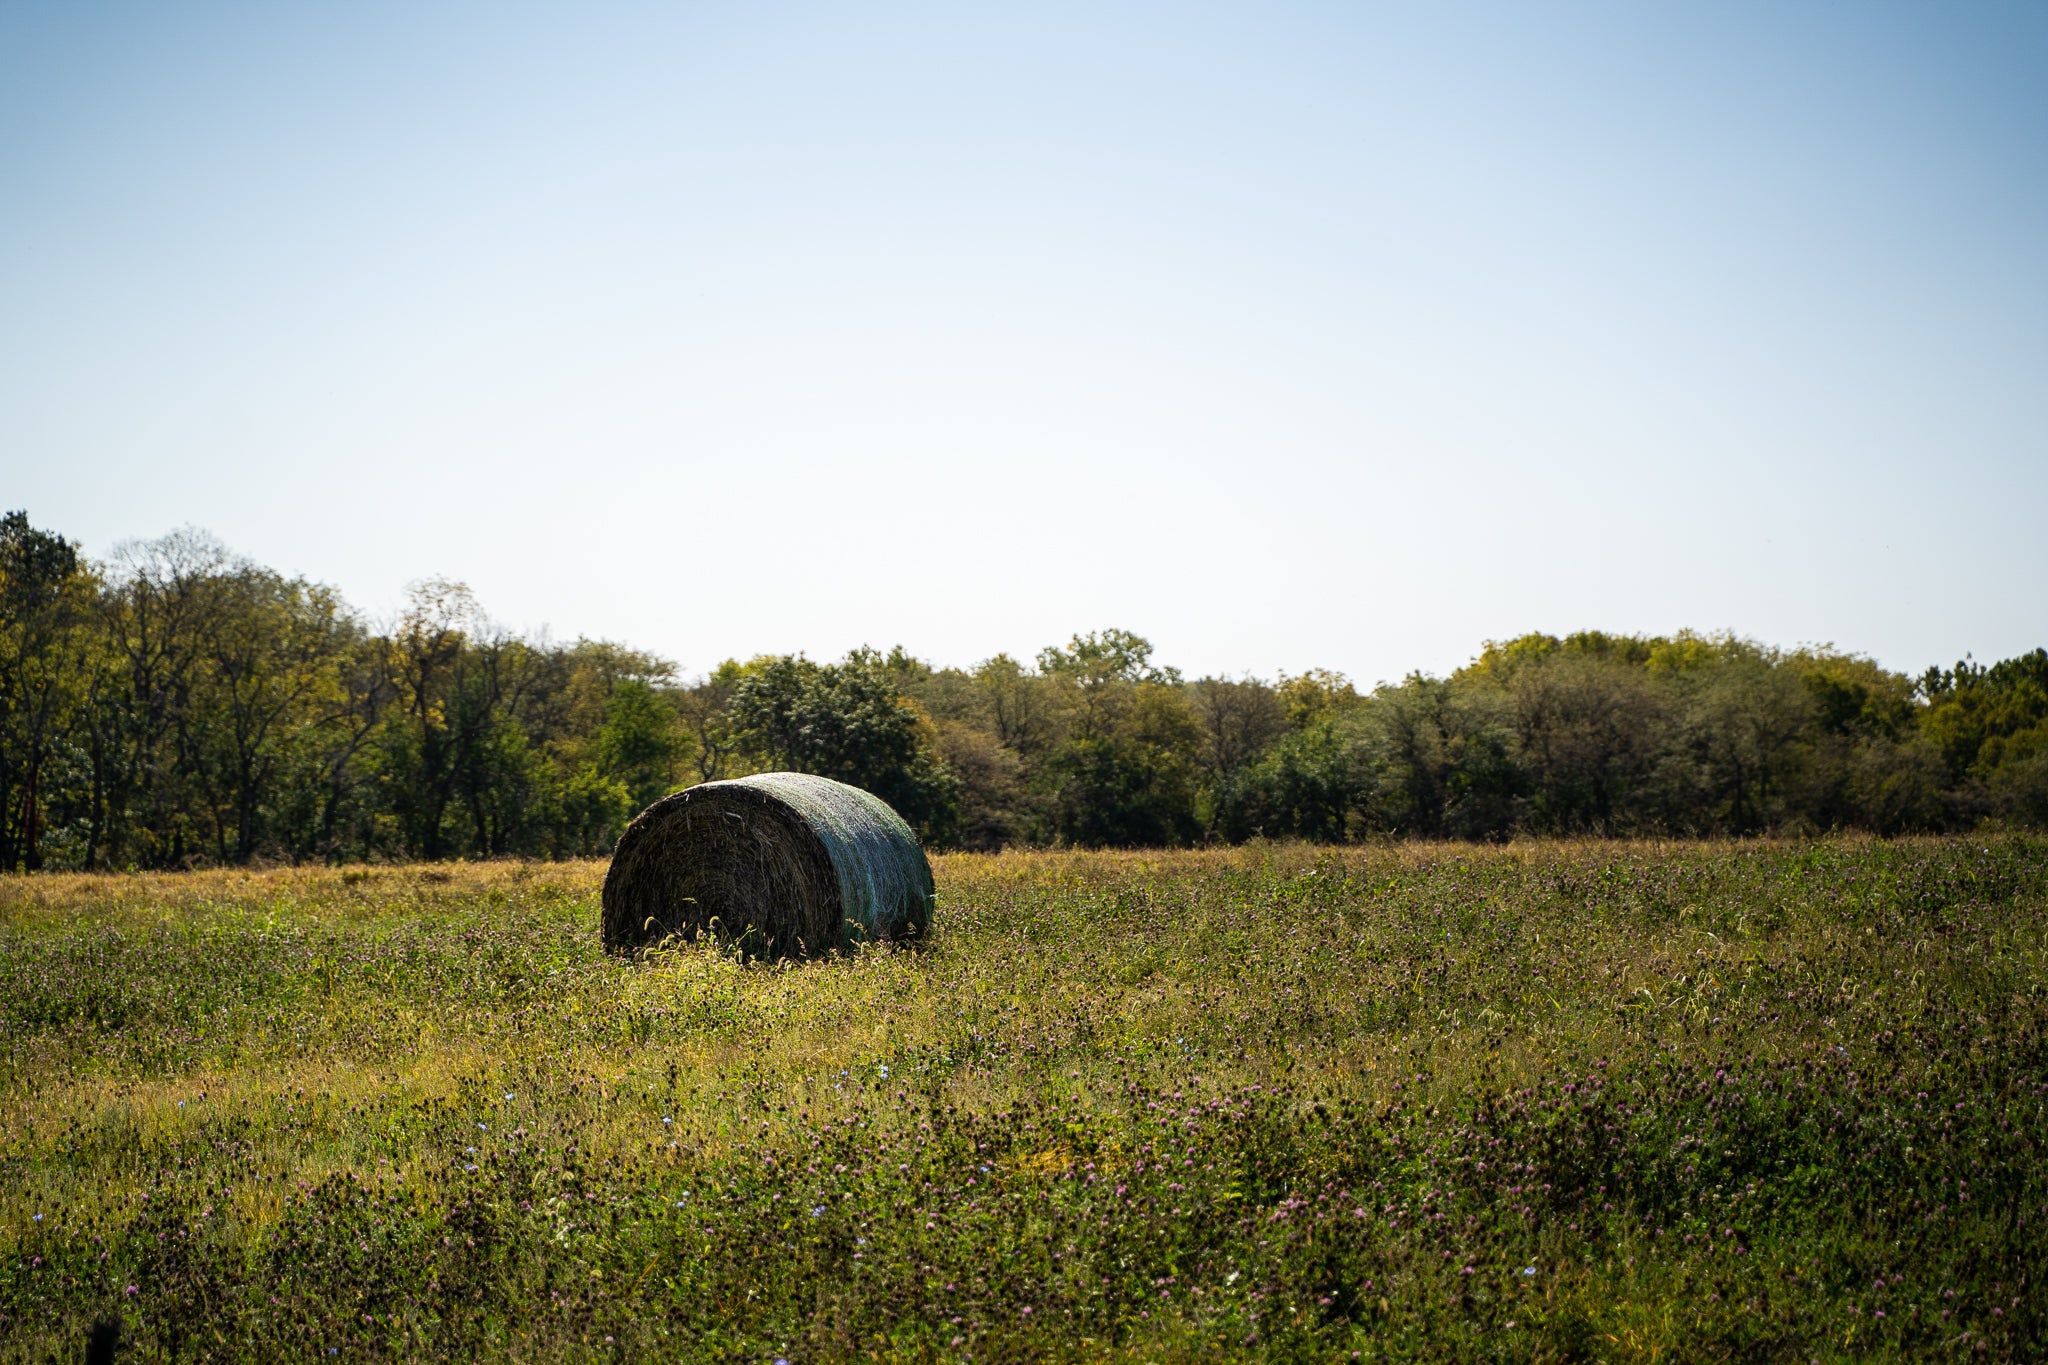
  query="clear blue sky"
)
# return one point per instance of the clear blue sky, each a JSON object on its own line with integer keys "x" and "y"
{"x": 1287, "y": 335}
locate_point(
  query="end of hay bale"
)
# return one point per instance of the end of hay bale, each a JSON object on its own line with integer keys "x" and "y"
{"x": 780, "y": 863}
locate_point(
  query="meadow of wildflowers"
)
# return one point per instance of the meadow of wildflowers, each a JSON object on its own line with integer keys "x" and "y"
{"x": 1537, "y": 1102}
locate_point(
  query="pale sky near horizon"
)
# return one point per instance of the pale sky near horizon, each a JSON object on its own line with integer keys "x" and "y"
{"x": 1285, "y": 335}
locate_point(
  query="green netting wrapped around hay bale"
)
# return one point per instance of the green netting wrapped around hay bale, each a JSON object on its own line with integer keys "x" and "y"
{"x": 780, "y": 862}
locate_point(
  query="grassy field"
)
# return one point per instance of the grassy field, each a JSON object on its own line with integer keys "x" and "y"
{"x": 1537, "y": 1102}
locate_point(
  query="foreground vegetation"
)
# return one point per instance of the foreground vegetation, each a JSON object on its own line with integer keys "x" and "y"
{"x": 179, "y": 707}
{"x": 1533, "y": 1102}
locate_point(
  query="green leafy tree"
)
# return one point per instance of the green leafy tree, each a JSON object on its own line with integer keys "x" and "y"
{"x": 1240, "y": 720}
{"x": 45, "y": 595}
{"x": 154, "y": 727}
{"x": 849, "y": 722}
{"x": 1590, "y": 729}
{"x": 1976, "y": 713}
{"x": 1743, "y": 719}
{"x": 997, "y": 808}
{"x": 425, "y": 730}
{"x": 1438, "y": 760}
{"x": 1116, "y": 744}
{"x": 270, "y": 650}
{"x": 1990, "y": 724}
{"x": 1127, "y": 778}
{"x": 706, "y": 710}
{"x": 1307, "y": 785}
{"x": 178, "y": 705}
{"x": 641, "y": 744}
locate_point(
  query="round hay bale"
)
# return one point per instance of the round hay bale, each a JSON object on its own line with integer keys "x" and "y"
{"x": 779, "y": 862}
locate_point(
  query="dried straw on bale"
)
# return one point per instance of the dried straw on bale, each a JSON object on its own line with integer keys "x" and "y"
{"x": 780, "y": 862}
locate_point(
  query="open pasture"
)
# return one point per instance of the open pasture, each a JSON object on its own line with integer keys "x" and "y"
{"x": 1534, "y": 1102}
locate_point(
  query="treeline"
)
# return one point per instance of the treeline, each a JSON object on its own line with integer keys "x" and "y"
{"x": 177, "y": 705}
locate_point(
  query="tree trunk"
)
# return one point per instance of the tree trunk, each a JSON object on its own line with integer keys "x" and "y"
{"x": 32, "y": 818}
